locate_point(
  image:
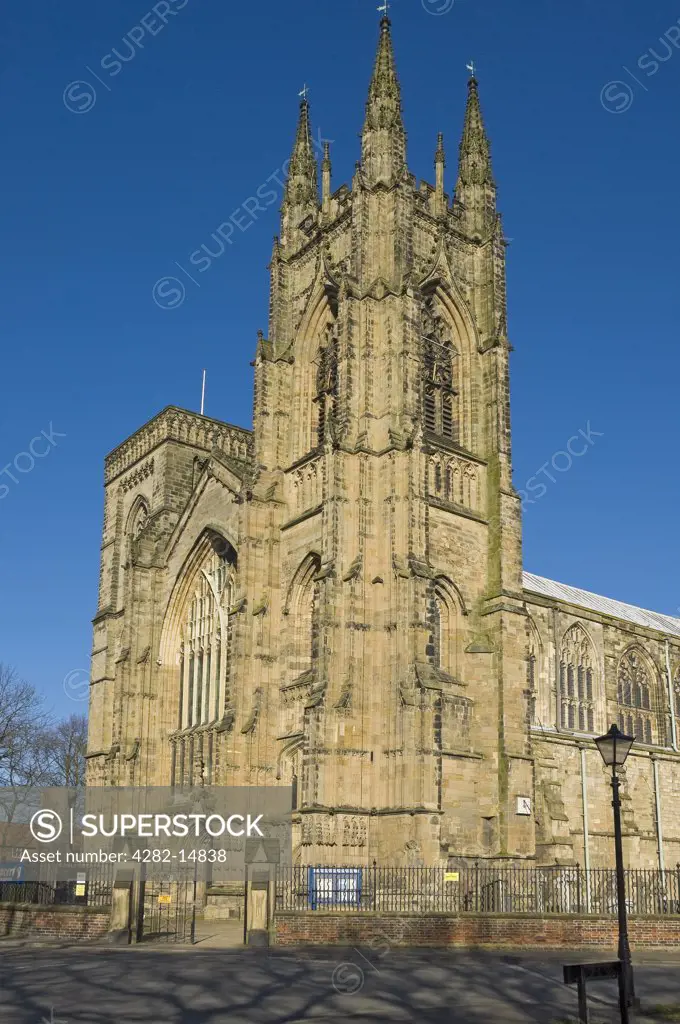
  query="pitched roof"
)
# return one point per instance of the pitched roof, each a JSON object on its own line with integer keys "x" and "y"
{"x": 606, "y": 605}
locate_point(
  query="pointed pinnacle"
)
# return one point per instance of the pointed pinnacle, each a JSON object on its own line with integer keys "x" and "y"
{"x": 383, "y": 108}
{"x": 302, "y": 184}
{"x": 475, "y": 152}
{"x": 439, "y": 155}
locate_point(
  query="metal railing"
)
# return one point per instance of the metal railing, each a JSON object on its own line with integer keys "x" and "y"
{"x": 26, "y": 892}
{"x": 476, "y": 889}
{"x": 98, "y": 891}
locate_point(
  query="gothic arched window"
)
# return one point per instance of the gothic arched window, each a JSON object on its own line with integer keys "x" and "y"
{"x": 440, "y": 358}
{"x": 204, "y": 647}
{"x": 138, "y": 519}
{"x": 577, "y": 686}
{"x": 326, "y": 388}
{"x": 434, "y": 618}
{"x": 637, "y": 698}
{"x": 443, "y": 637}
{"x": 304, "y": 613}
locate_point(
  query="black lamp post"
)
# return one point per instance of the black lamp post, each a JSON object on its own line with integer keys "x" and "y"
{"x": 614, "y": 748}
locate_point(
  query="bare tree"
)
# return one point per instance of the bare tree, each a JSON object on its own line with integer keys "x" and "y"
{"x": 23, "y": 721}
{"x": 63, "y": 748}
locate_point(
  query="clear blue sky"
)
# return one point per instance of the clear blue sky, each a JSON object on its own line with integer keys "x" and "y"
{"x": 97, "y": 206}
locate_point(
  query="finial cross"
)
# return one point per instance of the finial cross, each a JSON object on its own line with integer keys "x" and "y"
{"x": 303, "y": 92}
{"x": 471, "y": 68}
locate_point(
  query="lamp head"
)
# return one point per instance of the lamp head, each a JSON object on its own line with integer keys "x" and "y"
{"x": 614, "y": 747}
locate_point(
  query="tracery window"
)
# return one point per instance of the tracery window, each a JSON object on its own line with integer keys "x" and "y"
{"x": 326, "y": 391}
{"x": 440, "y": 371}
{"x": 577, "y": 681}
{"x": 204, "y": 645}
{"x": 637, "y": 699}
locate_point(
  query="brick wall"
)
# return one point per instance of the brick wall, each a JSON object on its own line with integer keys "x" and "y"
{"x": 54, "y": 922}
{"x": 469, "y": 930}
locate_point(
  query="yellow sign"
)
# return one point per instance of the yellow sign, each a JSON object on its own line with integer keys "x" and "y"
{"x": 80, "y": 889}
{"x": 451, "y": 876}
{"x": 165, "y": 899}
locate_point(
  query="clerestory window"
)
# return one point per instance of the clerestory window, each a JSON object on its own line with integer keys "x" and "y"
{"x": 577, "y": 681}
{"x": 638, "y": 711}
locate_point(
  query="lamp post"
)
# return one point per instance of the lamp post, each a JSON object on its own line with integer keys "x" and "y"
{"x": 614, "y": 748}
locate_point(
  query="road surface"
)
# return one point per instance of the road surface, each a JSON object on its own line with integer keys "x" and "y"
{"x": 172, "y": 985}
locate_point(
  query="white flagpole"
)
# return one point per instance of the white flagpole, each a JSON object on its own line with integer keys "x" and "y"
{"x": 203, "y": 394}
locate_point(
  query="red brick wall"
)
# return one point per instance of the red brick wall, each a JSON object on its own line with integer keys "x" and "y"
{"x": 381, "y": 930}
{"x": 54, "y": 922}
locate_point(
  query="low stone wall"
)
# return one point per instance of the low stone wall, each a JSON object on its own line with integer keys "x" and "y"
{"x": 378, "y": 930}
{"x": 224, "y": 902}
{"x": 72, "y": 923}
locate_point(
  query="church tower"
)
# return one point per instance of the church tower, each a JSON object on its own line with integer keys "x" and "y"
{"x": 334, "y": 601}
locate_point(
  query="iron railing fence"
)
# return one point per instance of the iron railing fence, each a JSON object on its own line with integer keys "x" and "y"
{"x": 476, "y": 888}
{"x": 26, "y": 892}
{"x": 98, "y": 891}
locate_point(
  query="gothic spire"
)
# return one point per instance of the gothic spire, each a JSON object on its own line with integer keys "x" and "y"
{"x": 475, "y": 152}
{"x": 383, "y": 139}
{"x": 475, "y": 188}
{"x": 439, "y": 166}
{"x": 326, "y": 177}
{"x": 302, "y": 186}
{"x": 439, "y": 155}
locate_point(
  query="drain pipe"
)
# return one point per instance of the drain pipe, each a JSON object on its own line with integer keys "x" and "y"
{"x": 586, "y": 837}
{"x": 657, "y": 805}
{"x": 671, "y": 702}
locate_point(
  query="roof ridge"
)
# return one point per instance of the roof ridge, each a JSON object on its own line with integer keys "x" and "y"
{"x": 552, "y": 588}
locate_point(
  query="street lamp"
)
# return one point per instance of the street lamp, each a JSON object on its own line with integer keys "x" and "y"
{"x": 614, "y": 748}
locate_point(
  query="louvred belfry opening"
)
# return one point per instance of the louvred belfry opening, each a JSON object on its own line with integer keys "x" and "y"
{"x": 440, "y": 372}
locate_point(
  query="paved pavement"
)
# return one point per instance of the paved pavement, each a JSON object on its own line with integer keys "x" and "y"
{"x": 172, "y": 985}
{"x": 219, "y": 934}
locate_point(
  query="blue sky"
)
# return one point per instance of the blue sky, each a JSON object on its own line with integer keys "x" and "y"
{"x": 114, "y": 172}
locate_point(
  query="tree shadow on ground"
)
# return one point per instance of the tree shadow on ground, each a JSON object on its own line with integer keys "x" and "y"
{"x": 174, "y": 986}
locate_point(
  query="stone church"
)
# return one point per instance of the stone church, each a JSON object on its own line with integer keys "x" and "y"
{"x": 334, "y": 600}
